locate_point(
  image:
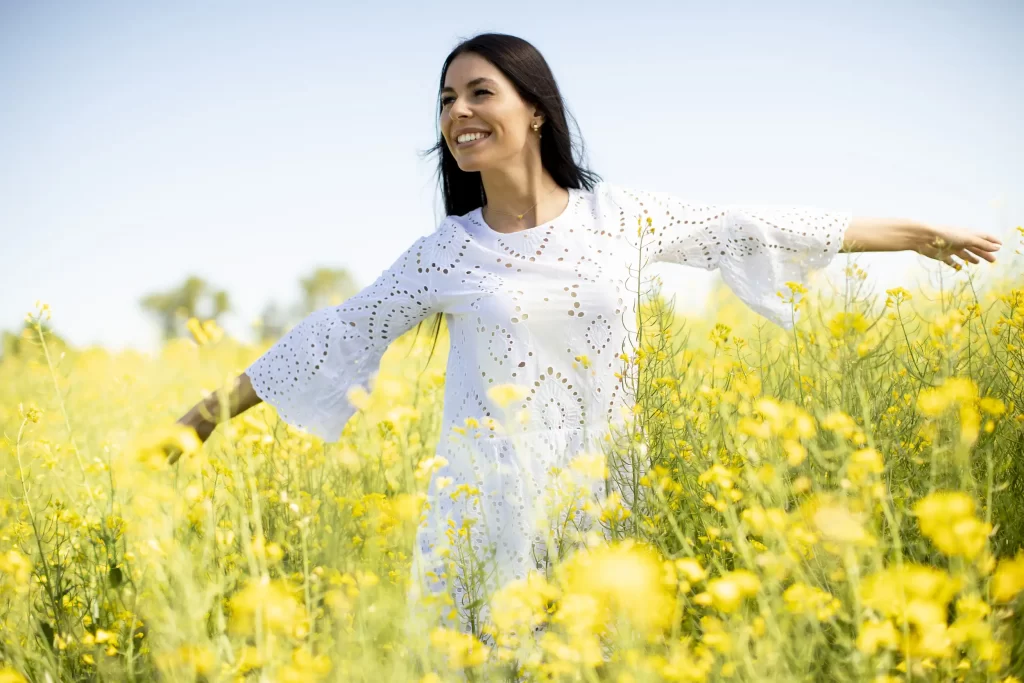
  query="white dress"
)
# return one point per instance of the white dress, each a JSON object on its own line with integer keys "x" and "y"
{"x": 522, "y": 308}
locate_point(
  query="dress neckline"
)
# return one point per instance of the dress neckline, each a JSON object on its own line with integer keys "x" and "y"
{"x": 477, "y": 217}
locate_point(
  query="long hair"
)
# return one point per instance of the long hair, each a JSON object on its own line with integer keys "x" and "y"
{"x": 561, "y": 154}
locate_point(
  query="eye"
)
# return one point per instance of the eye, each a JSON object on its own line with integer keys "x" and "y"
{"x": 448, "y": 99}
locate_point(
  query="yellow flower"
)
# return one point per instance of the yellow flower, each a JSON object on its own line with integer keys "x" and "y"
{"x": 761, "y": 520}
{"x": 691, "y": 569}
{"x": 408, "y": 506}
{"x": 795, "y": 452}
{"x": 814, "y": 602}
{"x": 16, "y": 565}
{"x": 890, "y": 590}
{"x": 1008, "y": 579}
{"x": 992, "y": 406}
{"x": 956, "y": 390}
{"x": 249, "y": 658}
{"x": 10, "y": 675}
{"x": 726, "y": 593}
{"x": 717, "y": 474}
{"x": 592, "y": 465}
{"x": 31, "y": 414}
{"x": 272, "y": 603}
{"x": 874, "y": 635}
{"x": 522, "y": 604}
{"x": 199, "y": 657}
{"x": 626, "y": 577}
{"x": 462, "y": 649}
{"x": 204, "y": 332}
{"x": 947, "y": 518}
{"x": 506, "y": 394}
{"x": 358, "y": 397}
{"x": 583, "y": 360}
{"x": 304, "y": 667}
{"x": 845, "y": 324}
{"x": 897, "y": 295}
{"x": 844, "y": 425}
{"x": 835, "y": 522}
{"x": 863, "y": 463}
{"x": 839, "y": 524}
{"x": 581, "y": 614}
{"x": 971, "y": 623}
{"x": 720, "y": 334}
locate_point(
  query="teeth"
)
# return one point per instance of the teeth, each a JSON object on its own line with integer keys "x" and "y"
{"x": 469, "y": 137}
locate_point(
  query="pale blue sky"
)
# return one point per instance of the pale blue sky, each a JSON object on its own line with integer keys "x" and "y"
{"x": 249, "y": 142}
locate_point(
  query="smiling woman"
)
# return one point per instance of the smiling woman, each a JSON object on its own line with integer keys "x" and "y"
{"x": 532, "y": 269}
{"x": 496, "y": 99}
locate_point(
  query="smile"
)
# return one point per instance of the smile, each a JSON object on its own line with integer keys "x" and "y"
{"x": 469, "y": 139}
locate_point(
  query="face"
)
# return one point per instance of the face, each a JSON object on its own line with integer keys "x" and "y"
{"x": 478, "y": 100}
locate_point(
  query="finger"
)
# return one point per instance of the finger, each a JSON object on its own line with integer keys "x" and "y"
{"x": 967, "y": 256}
{"x": 948, "y": 260}
{"x": 986, "y": 243}
{"x": 987, "y": 255}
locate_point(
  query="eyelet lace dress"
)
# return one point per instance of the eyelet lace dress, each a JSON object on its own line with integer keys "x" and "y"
{"x": 525, "y": 308}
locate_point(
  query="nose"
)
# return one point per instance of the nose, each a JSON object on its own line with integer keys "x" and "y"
{"x": 458, "y": 109}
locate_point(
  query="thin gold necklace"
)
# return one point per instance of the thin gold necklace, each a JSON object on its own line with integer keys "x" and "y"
{"x": 520, "y": 215}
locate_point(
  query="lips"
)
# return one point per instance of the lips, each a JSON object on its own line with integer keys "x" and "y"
{"x": 480, "y": 136}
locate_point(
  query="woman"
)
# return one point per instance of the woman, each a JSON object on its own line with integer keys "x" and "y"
{"x": 532, "y": 268}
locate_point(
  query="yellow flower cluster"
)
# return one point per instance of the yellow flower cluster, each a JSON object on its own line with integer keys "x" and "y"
{"x": 811, "y": 601}
{"x": 270, "y": 605}
{"x": 624, "y": 579}
{"x": 947, "y": 518}
{"x": 462, "y": 650}
{"x": 727, "y": 592}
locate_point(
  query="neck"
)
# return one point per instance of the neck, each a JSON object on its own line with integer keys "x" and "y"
{"x": 515, "y": 191}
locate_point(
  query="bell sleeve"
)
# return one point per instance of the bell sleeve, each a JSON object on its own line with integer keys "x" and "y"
{"x": 306, "y": 375}
{"x": 757, "y": 250}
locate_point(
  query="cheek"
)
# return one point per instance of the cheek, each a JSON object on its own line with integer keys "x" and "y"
{"x": 509, "y": 135}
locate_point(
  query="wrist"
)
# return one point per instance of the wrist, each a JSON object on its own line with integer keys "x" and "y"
{"x": 918, "y": 235}
{"x": 202, "y": 426}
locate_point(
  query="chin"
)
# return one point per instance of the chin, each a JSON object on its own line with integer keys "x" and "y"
{"x": 472, "y": 164}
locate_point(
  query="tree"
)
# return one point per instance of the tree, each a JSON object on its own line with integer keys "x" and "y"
{"x": 326, "y": 287}
{"x": 323, "y": 287}
{"x": 26, "y": 341}
{"x": 194, "y": 298}
{"x": 274, "y": 321}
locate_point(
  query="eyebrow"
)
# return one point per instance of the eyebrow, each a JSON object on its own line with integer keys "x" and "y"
{"x": 475, "y": 81}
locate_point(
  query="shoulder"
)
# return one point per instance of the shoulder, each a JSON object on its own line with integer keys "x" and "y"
{"x": 618, "y": 200}
{"x": 613, "y": 195}
{"x": 439, "y": 253}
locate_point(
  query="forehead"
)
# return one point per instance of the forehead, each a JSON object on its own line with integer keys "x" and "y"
{"x": 470, "y": 66}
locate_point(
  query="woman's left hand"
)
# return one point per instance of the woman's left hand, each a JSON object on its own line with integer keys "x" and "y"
{"x": 943, "y": 243}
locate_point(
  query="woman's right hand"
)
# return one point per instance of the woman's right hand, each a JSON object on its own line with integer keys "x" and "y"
{"x": 202, "y": 427}
{"x": 241, "y": 396}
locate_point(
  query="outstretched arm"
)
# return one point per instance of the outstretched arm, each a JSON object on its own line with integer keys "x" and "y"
{"x": 941, "y": 244}
{"x": 204, "y": 416}
{"x": 308, "y": 373}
